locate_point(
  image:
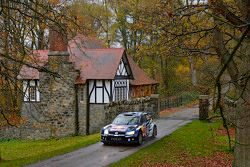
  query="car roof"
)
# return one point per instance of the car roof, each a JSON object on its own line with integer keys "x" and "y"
{"x": 137, "y": 113}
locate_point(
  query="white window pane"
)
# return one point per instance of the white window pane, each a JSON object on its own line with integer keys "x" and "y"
{"x": 107, "y": 84}
{"x": 99, "y": 95}
{"x": 99, "y": 83}
{"x": 32, "y": 91}
{"x": 106, "y": 97}
{"x": 92, "y": 97}
{"x": 32, "y": 83}
{"x": 91, "y": 85}
{"x": 37, "y": 94}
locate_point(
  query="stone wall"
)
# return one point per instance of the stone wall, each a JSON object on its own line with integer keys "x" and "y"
{"x": 43, "y": 123}
{"x": 147, "y": 104}
{"x": 58, "y": 96}
{"x": 25, "y": 132}
{"x": 96, "y": 118}
{"x": 101, "y": 115}
{"x": 54, "y": 115}
{"x": 82, "y": 108}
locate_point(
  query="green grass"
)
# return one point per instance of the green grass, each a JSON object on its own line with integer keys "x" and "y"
{"x": 22, "y": 152}
{"x": 195, "y": 139}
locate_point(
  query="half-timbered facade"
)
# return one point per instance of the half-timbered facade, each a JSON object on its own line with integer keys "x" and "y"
{"x": 117, "y": 89}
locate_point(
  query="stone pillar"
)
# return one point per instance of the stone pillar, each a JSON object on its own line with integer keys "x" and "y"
{"x": 156, "y": 104}
{"x": 203, "y": 107}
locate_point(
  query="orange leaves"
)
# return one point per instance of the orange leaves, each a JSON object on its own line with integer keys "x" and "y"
{"x": 13, "y": 119}
{"x": 54, "y": 2}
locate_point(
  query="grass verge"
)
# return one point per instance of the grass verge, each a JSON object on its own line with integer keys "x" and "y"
{"x": 22, "y": 152}
{"x": 196, "y": 144}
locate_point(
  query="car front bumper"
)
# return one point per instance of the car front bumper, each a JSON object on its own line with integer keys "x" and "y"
{"x": 119, "y": 139}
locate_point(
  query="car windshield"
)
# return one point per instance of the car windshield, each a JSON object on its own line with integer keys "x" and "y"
{"x": 126, "y": 120}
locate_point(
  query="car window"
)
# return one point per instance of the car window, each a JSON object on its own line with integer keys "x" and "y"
{"x": 143, "y": 119}
{"x": 126, "y": 120}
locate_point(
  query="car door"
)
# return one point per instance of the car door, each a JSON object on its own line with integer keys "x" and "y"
{"x": 144, "y": 125}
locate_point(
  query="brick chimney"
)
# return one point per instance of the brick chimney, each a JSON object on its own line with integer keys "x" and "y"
{"x": 58, "y": 47}
{"x": 58, "y": 38}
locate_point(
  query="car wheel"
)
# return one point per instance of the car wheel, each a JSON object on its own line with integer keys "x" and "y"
{"x": 154, "y": 131}
{"x": 140, "y": 139}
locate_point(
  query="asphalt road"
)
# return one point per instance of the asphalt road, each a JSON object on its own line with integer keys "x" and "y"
{"x": 97, "y": 155}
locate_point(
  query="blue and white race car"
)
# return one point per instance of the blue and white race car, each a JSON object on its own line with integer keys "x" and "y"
{"x": 129, "y": 127}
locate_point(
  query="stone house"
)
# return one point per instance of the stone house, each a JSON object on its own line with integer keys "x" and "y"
{"x": 67, "y": 87}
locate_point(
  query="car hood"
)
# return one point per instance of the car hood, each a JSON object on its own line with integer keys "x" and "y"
{"x": 121, "y": 128}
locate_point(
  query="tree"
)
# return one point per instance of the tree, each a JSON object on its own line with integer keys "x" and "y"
{"x": 95, "y": 19}
{"x": 235, "y": 61}
{"x": 227, "y": 35}
{"x": 23, "y": 26}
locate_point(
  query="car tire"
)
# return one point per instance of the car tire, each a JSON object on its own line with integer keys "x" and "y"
{"x": 140, "y": 138}
{"x": 154, "y": 132}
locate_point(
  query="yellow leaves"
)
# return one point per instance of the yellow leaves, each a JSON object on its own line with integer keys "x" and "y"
{"x": 42, "y": 25}
{"x": 181, "y": 69}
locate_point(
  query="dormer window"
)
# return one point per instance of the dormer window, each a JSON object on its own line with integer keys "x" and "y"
{"x": 30, "y": 90}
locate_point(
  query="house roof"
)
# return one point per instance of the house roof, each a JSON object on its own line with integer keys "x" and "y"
{"x": 140, "y": 77}
{"x": 96, "y": 63}
{"x": 36, "y": 60}
{"x": 87, "y": 54}
{"x": 92, "y": 60}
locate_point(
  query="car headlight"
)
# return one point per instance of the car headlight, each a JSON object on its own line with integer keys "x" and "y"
{"x": 106, "y": 132}
{"x": 130, "y": 133}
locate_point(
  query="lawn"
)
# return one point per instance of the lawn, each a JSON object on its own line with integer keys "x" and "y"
{"x": 22, "y": 152}
{"x": 196, "y": 144}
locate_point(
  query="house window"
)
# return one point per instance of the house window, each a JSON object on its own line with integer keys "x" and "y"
{"x": 81, "y": 93}
{"x": 121, "y": 90}
{"x": 30, "y": 90}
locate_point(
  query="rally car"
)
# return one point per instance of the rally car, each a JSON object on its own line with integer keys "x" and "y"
{"x": 129, "y": 127}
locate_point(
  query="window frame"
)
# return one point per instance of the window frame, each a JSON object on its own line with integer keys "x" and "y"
{"x": 31, "y": 92}
{"x": 120, "y": 90}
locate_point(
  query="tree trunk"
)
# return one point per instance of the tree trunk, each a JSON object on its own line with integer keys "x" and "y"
{"x": 239, "y": 74}
{"x": 164, "y": 72}
{"x": 242, "y": 145}
{"x": 193, "y": 71}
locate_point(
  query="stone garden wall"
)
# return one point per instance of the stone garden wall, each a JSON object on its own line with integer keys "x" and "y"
{"x": 25, "y": 132}
{"x": 41, "y": 127}
{"x": 147, "y": 104}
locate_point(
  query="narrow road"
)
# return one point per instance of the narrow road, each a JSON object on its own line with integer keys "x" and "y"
{"x": 97, "y": 155}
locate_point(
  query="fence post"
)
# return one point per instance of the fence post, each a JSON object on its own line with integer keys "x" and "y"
{"x": 203, "y": 107}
